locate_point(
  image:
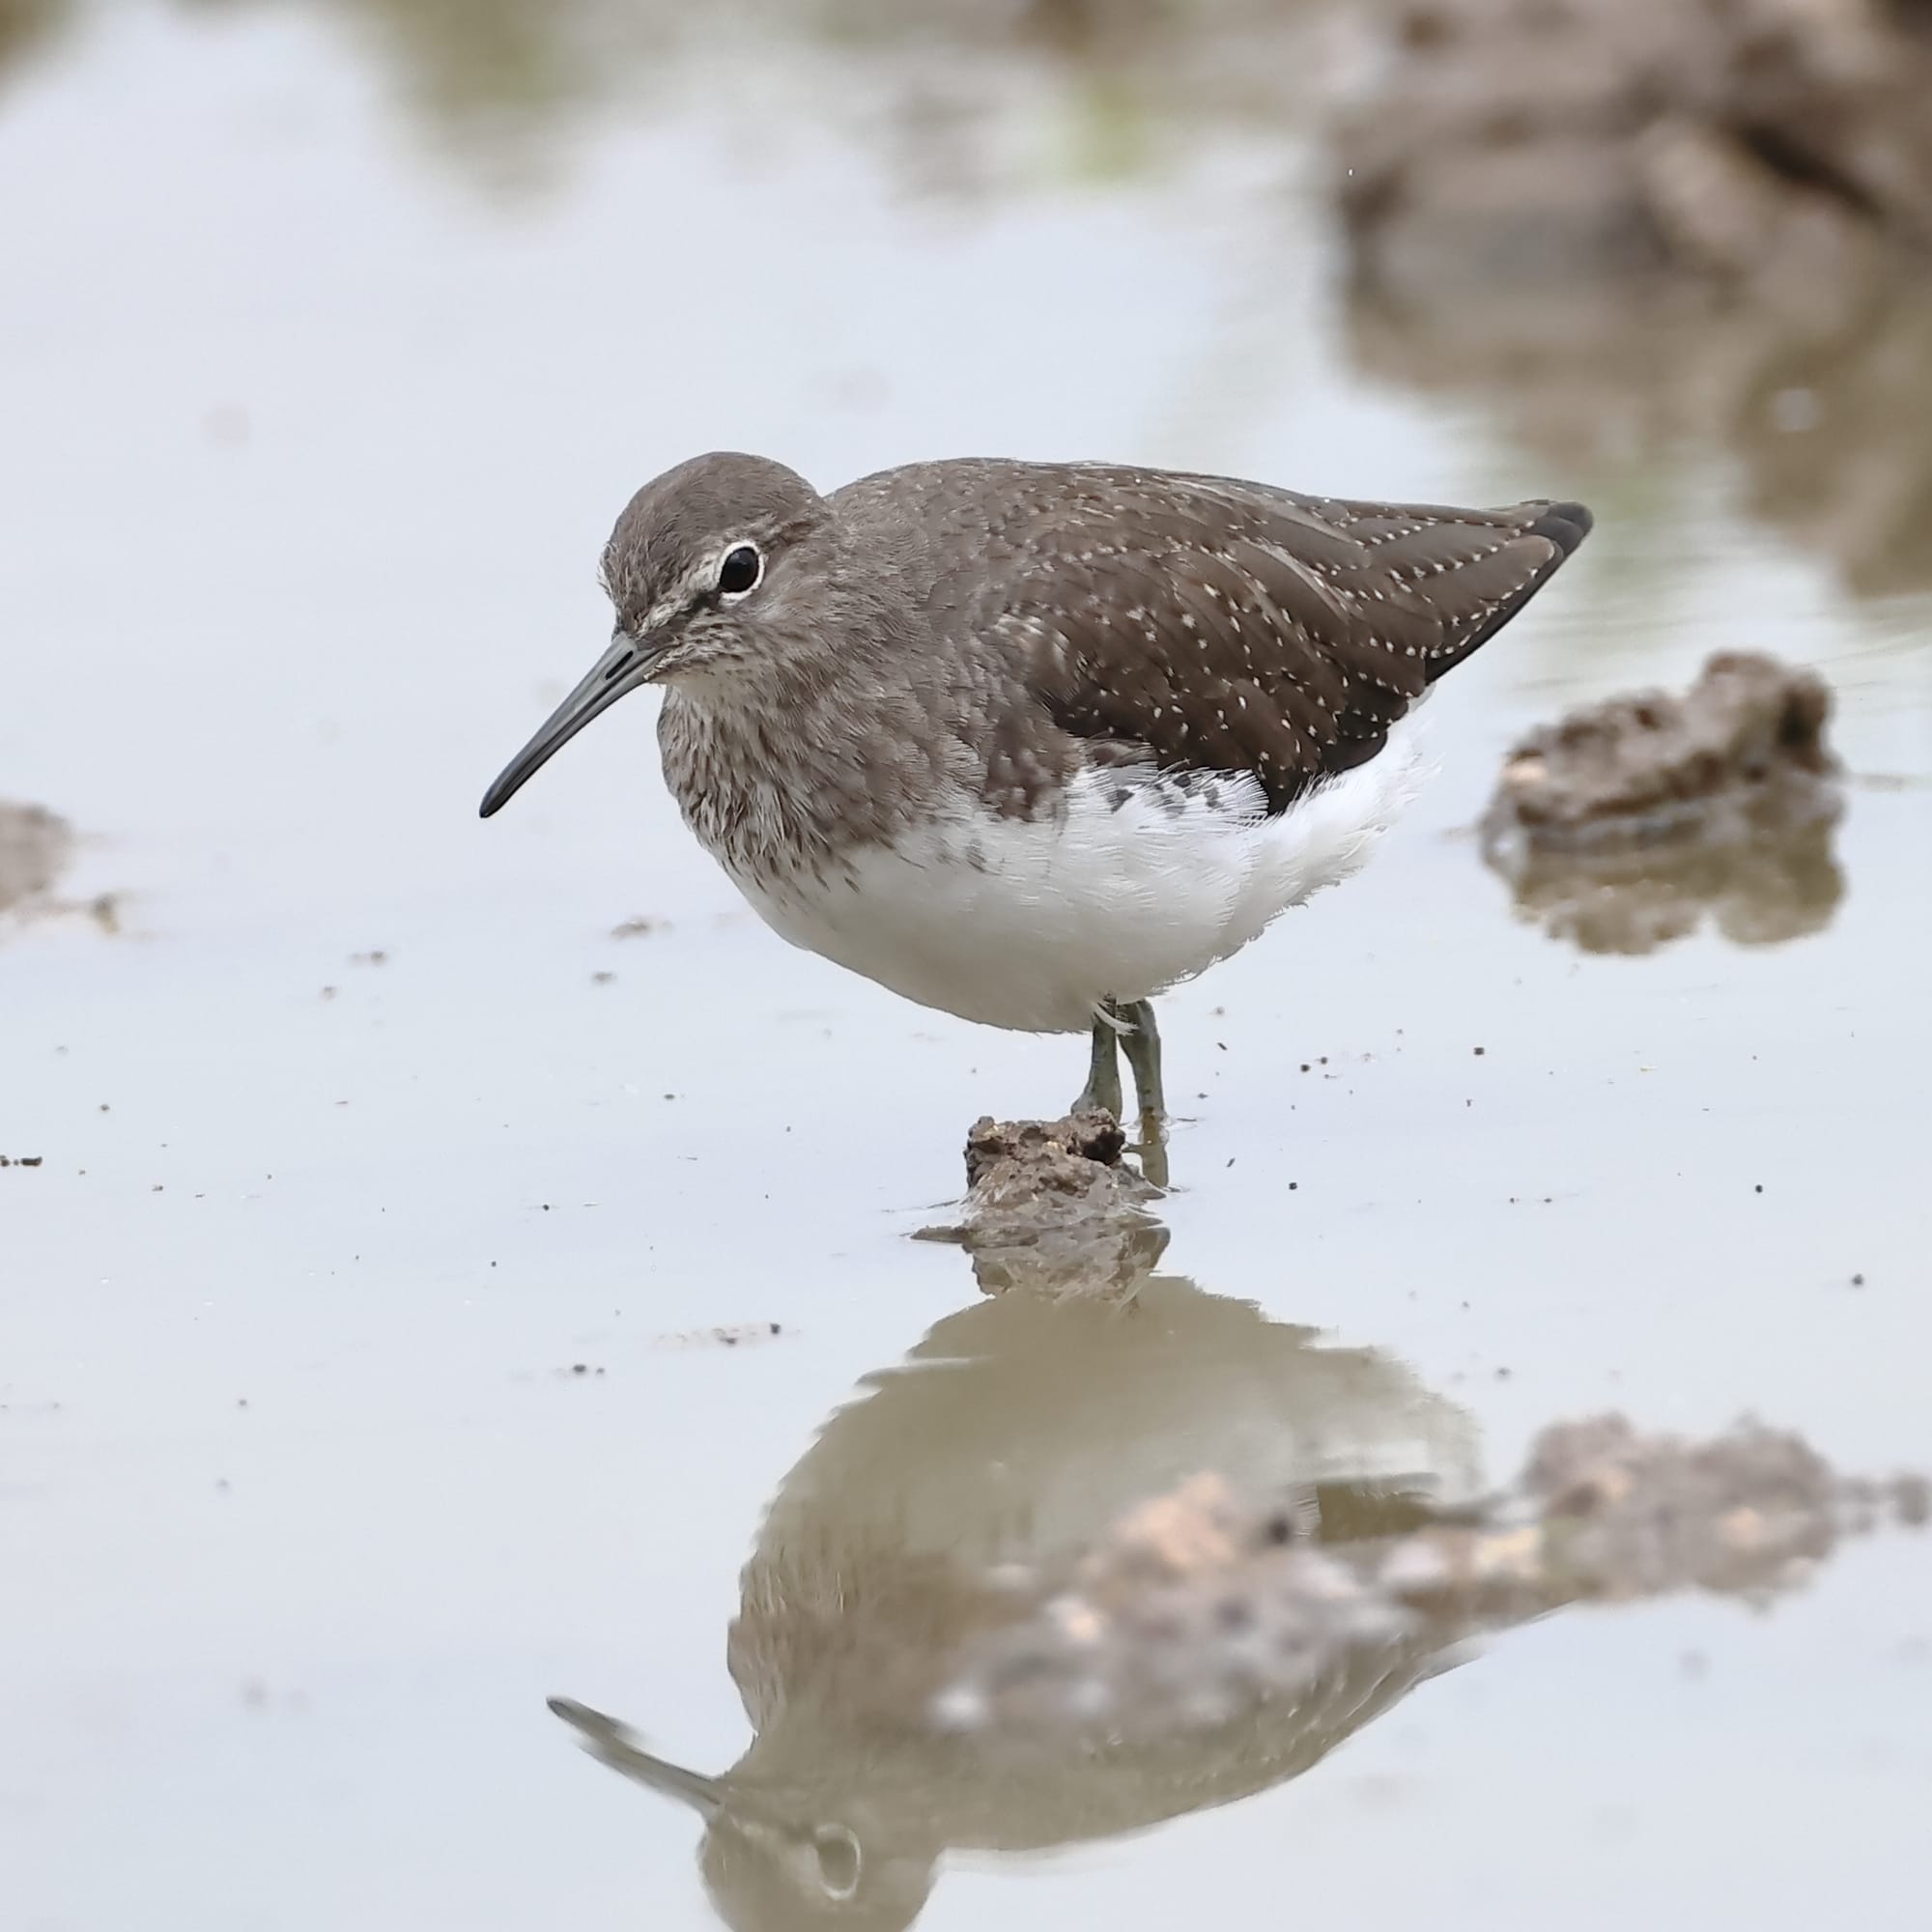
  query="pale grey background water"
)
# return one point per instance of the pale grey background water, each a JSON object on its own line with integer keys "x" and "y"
{"x": 313, "y": 420}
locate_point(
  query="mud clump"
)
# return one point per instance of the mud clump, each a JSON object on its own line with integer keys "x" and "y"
{"x": 35, "y": 846}
{"x": 1051, "y": 1208}
{"x": 1638, "y": 1516}
{"x": 1624, "y": 824}
{"x": 1198, "y": 1606}
{"x": 1746, "y": 743}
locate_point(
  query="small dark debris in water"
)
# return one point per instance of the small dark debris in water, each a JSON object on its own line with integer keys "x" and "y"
{"x": 1478, "y": 1051}
{"x": 638, "y": 928}
{"x": 329, "y": 992}
{"x": 602, "y": 978}
{"x": 376, "y": 957}
{"x": 1622, "y": 825}
{"x": 1857, "y": 1281}
{"x": 580, "y": 1368}
{"x": 21, "y": 1160}
{"x": 1757, "y": 1187}
{"x": 733, "y": 1335}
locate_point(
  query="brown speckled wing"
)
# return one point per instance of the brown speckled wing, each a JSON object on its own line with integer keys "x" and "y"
{"x": 1211, "y": 625}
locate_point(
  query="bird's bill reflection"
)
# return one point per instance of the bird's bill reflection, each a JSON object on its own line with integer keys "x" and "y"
{"x": 615, "y": 1745}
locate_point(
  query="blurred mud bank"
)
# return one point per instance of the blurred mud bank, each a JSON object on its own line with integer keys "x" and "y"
{"x": 1626, "y": 824}
{"x": 1770, "y": 142}
{"x": 507, "y": 87}
{"x": 1629, "y": 226}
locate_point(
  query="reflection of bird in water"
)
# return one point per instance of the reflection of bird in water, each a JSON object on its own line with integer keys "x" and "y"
{"x": 1020, "y": 1430}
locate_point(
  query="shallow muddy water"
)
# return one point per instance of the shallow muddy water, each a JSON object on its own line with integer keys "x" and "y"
{"x": 427, "y": 1299}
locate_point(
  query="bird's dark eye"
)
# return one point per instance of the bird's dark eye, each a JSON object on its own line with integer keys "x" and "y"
{"x": 740, "y": 571}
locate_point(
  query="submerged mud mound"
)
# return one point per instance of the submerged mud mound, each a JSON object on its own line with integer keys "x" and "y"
{"x": 1625, "y": 824}
{"x": 1052, "y": 1209}
{"x": 1756, "y": 891}
{"x": 1200, "y": 1606}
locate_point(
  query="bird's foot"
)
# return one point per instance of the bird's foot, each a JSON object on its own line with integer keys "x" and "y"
{"x": 1152, "y": 1146}
{"x": 1141, "y": 1044}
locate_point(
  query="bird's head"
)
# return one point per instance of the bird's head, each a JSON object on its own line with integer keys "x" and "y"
{"x": 702, "y": 571}
{"x": 773, "y": 1860}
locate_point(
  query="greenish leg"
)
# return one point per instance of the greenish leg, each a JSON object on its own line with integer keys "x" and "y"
{"x": 1142, "y": 1046}
{"x": 1103, "y": 1073}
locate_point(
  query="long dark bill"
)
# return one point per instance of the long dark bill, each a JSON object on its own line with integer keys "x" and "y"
{"x": 621, "y": 669}
{"x": 613, "y": 1744}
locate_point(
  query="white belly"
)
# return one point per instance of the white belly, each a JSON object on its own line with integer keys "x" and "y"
{"x": 1027, "y": 926}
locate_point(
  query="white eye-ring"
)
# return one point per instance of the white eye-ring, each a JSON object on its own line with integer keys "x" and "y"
{"x": 840, "y": 1862}
{"x": 740, "y": 572}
